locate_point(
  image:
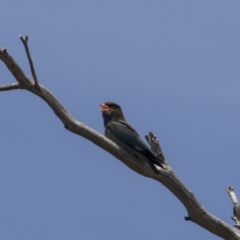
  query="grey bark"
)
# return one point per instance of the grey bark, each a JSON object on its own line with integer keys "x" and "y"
{"x": 195, "y": 211}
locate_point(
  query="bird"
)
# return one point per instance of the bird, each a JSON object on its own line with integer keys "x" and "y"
{"x": 122, "y": 133}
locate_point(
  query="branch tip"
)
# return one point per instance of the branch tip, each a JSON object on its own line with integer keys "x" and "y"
{"x": 229, "y": 189}
{"x": 187, "y": 218}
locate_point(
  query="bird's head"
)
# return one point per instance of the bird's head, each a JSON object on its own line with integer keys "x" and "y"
{"x": 111, "y": 111}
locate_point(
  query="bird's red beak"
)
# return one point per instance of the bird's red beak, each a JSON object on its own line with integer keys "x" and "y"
{"x": 104, "y": 108}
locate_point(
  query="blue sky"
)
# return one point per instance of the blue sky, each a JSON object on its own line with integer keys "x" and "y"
{"x": 173, "y": 66}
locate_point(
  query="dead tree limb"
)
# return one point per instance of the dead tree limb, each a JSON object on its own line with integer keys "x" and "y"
{"x": 195, "y": 211}
{"x": 236, "y": 206}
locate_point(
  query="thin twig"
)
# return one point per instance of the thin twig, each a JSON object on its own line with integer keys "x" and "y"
{"x": 25, "y": 44}
{"x": 11, "y": 86}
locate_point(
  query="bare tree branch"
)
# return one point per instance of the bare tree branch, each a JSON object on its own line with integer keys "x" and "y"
{"x": 155, "y": 146}
{"x": 196, "y": 213}
{"x": 11, "y": 86}
{"x": 236, "y": 206}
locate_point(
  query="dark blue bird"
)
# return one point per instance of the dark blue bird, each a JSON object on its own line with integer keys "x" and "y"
{"x": 118, "y": 130}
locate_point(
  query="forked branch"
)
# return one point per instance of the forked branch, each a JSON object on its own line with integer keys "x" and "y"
{"x": 25, "y": 44}
{"x": 196, "y": 213}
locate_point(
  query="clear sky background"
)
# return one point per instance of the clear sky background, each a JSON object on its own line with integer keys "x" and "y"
{"x": 173, "y": 66}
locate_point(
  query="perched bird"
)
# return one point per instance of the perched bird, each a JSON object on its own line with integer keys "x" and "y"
{"x": 118, "y": 130}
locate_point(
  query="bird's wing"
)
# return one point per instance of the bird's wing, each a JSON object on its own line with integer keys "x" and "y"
{"x": 127, "y": 134}
{"x": 123, "y": 131}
